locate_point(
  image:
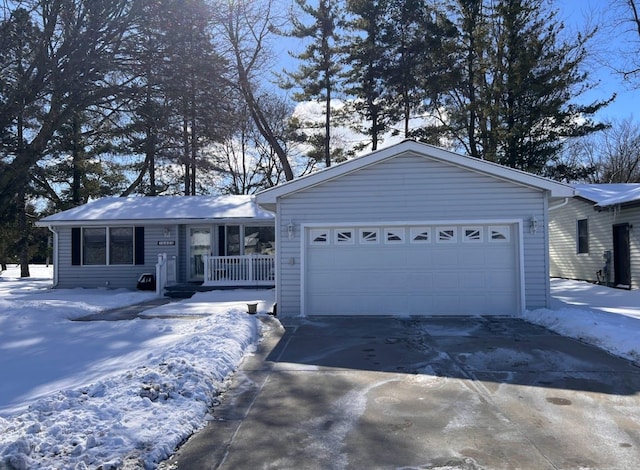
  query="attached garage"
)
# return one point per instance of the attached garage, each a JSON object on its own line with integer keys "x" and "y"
{"x": 412, "y": 230}
{"x": 417, "y": 269}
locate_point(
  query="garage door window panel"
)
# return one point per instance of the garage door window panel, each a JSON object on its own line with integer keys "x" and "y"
{"x": 369, "y": 236}
{"x": 319, "y": 237}
{"x": 420, "y": 234}
{"x": 499, "y": 234}
{"x": 447, "y": 235}
{"x": 472, "y": 235}
{"x": 344, "y": 236}
{"x": 394, "y": 235}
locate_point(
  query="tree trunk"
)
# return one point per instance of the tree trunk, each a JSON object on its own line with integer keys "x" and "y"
{"x": 23, "y": 230}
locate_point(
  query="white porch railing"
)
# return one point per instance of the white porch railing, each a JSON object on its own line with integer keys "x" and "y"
{"x": 238, "y": 271}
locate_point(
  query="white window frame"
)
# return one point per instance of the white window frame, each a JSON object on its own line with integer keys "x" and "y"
{"x": 314, "y": 233}
{"x": 454, "y": 237}
{"x": 467, "y": 239}
{"x": 340, "y": 240}
{"x": 420, "y": 231}
{"x": 372, "y": 239}
{"x": 503, "y": 230}
{"x": 400, "y": 232}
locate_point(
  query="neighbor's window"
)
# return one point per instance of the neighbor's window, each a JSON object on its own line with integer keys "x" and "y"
{"x": 121, "y": 245}
{"x": 94, "y": 246}
{"x": 583, "y": 236}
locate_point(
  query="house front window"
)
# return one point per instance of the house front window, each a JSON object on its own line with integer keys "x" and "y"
{"x": 108, "y": 246}
{"x": 582, "y": 236}
{"x": 94, "y": 246}
{"x": 260, "y": 240}
{"x": 121, "y": 245}
{"x": 239, "y": 240}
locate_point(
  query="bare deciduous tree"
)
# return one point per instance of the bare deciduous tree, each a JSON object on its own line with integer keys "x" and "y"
{"x": 245, "y": 27}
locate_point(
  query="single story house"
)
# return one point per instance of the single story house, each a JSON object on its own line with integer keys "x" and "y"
{"x": 408, "y": 230}
{"x": 592, "y": 236}
{"x": 413, "y": 230}
{"x": 111, "y": 242}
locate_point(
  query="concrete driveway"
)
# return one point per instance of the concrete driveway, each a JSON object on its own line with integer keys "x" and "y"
{"x": 444, "y": 393}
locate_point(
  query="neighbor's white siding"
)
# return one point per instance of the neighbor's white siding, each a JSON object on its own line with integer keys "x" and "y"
{"x": 125, "y": 276}
{"x": 565, "y": 260}
{"x": 412, "y": 188}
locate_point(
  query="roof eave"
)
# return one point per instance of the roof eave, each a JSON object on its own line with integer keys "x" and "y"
{"x": 139, "y": 222}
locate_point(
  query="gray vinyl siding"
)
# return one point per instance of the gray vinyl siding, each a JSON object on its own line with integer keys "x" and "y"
{"x": 632, "y": 216}
{"x": 567, "y": 263}
{"x": 120, "y": 276}
{"x": 412, "y": 188}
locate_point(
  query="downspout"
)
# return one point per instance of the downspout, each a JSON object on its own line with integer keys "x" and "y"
{"x": 55, "y": 255}
{"x": 558, "y": 206}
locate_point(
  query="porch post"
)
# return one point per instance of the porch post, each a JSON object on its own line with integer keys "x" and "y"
{"x": 207, "y": 277}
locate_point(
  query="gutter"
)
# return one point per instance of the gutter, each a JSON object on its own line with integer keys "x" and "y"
{"x": 55, "y": 255}
{"x": 558, "y": 206}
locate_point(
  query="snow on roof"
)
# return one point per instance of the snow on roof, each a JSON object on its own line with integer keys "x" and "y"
{"x": 609, "y": 194}
{"x": 162, "y": 208}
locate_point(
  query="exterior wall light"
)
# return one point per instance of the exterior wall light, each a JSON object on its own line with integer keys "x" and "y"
{"x": 290, "y": 229}
{"x": 533, "y": 225}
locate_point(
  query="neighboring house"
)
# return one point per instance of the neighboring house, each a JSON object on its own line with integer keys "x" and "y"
{"x": 413, "y": 230}
{"x": 594, "y": 237}
{"x": 110, "y": 242}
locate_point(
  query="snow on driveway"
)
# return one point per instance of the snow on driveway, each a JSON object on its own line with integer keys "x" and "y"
{"x": 125, "y": 394}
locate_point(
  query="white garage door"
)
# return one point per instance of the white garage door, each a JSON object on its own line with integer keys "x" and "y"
{"x": 412, "y": 270}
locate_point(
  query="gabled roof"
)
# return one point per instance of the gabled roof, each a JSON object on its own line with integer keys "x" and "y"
{"x": 269, "y": 196}
{"x": 605, "y": 195}
{"x": 160, "y": 209}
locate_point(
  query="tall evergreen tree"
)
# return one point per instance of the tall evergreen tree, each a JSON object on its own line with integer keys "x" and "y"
{"x": 515, "y": 101}
{"x": 365, "y": 53}
{"x": 417, "y": 67}
{"x": 317, "y": 75}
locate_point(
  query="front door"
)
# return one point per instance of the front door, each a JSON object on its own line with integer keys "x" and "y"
{"x": 199, "y": 246}
{"x": 621, "y": 256}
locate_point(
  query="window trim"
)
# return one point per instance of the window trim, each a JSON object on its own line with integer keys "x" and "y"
{"x": 315, "y": 233}
{"x": 503, "y": 230}
{"x": 582, "y": 239}
{"x": 415, "y": 232}
{"x": 467, "y": 239}
{"x": 340, "y": 239}
{"x": 78, "y": 246}
{"x": 372, "y": 239}
{"x": 400, "y": 232}
{"x": 454, "y": 236}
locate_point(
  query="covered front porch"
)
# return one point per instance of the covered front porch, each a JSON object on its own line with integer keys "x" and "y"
{"x": 232, "y": 254}
{"x": 252, "y": 270}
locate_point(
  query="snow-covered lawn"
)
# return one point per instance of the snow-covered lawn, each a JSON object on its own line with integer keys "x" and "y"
{"x": 602, "y": 316}
{"x": 120, "y": 394}
{"x": 125, "y": 394}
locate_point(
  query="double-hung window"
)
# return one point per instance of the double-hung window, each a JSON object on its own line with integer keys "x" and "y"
{"x": 100, "y": 246}
{"x": 582, "y": 236}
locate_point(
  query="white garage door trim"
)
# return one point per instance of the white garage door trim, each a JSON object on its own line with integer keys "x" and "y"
{"x": 306, "y": 227}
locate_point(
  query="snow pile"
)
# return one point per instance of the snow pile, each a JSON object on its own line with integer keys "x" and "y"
{"x": 602, "y": 316}
{"x": 119, "y": 394}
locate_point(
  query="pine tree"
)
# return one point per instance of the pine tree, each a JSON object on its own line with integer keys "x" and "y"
{"x": 365, "y": 53}
{"x": 317, "y": 75}
{"x": 417, "y": 69}
{"x": 514, "y": 102}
